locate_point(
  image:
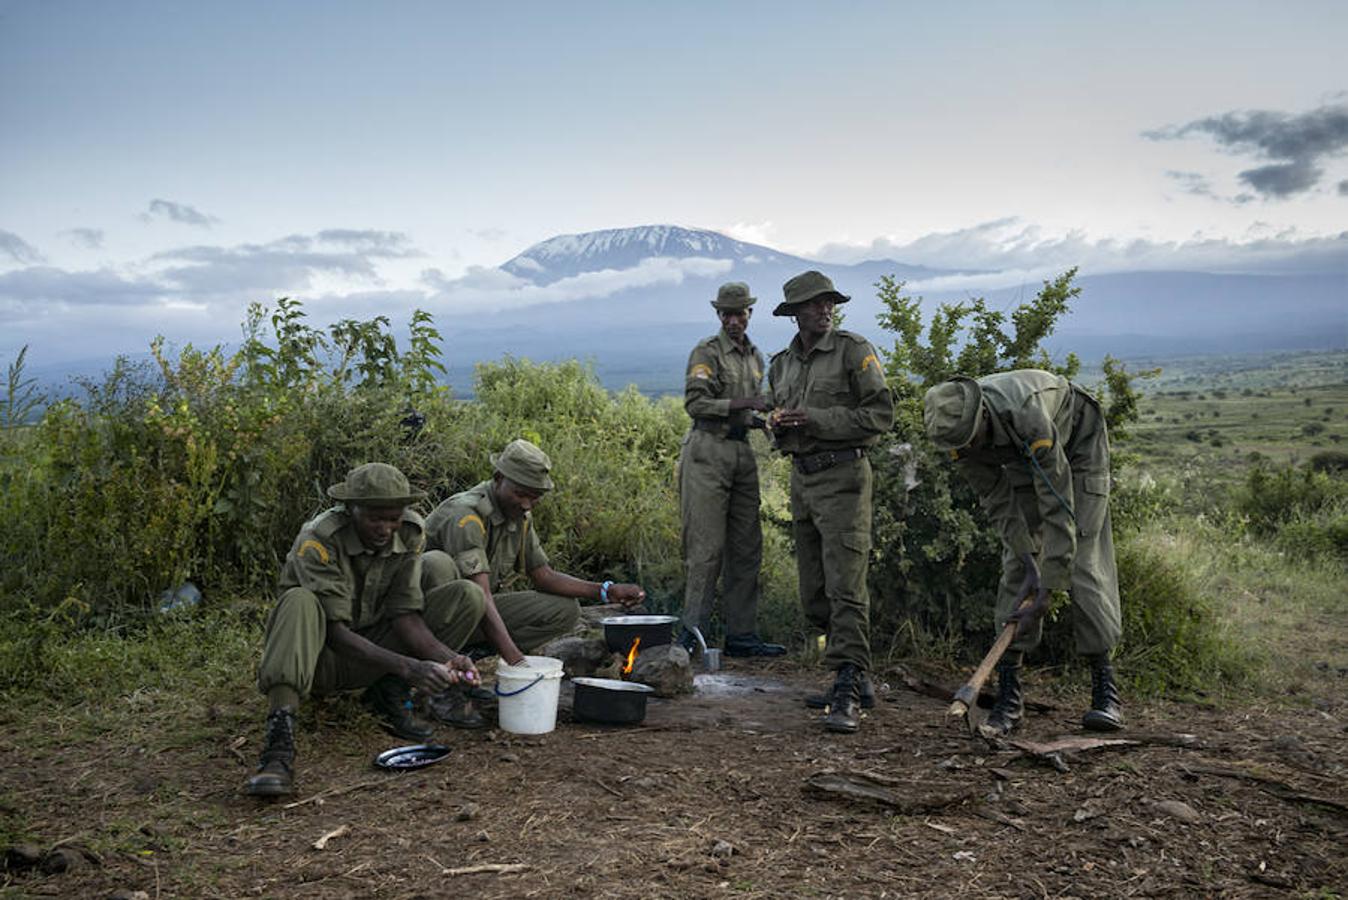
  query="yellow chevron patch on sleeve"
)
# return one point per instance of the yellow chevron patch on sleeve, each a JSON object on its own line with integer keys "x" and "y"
{"x": 472, "y": 517}
{"x": 701, "y": 370}
{"x": 870, "y": 360}
{"x": 1041, "y": 444}
{"x": 322, "y": 551}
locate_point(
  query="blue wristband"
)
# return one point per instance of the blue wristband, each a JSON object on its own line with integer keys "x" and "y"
{"x": 603, "y": 591}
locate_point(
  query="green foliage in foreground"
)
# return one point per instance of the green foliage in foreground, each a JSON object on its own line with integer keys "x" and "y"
{"x": 203, "y": 465}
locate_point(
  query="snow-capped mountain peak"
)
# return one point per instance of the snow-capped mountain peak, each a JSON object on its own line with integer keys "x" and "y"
{"x": 567, "y": 255}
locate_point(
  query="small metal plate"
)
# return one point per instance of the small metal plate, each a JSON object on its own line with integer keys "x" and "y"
{"x": 413, "y": 756}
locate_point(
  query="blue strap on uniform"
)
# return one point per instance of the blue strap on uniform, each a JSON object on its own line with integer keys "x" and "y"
{"x": 1034, "y": 463}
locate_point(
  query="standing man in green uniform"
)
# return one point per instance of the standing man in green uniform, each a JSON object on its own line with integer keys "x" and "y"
{"x": 718, "y": 478}
{"x": 1035, "y": 449}
{"x": 486, "y": 534}
{"x": 352, "y": 614}
{"x": 831, "y": 403}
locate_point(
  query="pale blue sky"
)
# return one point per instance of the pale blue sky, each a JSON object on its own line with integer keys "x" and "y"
{"x": 468, "y": 132}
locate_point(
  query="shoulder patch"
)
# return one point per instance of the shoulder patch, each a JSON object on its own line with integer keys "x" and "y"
{"x": 469, "y": 519}
{"x": 319, "y": 550}
{"x": 701, "y": 370}
{"x": 871, "y": 360}
{"x": 1041, "y": 444}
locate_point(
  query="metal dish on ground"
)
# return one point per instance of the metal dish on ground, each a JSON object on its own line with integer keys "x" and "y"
{"x": 608, "y": 701}
{"x": 654, "y": 631}
{"x": 413, "y": 756}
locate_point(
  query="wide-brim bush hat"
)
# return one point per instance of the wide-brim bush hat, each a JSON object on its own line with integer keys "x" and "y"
{"x": 525, "y": 464}
{"x": 376, "y": 484}
{"x": 805, "y": 287}
{"x": 950, "y": 412}
{"x": 734, "y": 296}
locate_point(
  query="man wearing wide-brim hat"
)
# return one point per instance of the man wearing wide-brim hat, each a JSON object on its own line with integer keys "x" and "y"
{"x": 1035, "y": 449}
{"x": 352, "y": 615}
{"x": 831, "y": 404}
{"x": 718, "y": 479}
{"x": 486, "y": 534}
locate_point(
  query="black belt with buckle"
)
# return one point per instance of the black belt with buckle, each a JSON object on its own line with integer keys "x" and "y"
{"x": 732, "y": 433}
{"x": 809, "y": 463}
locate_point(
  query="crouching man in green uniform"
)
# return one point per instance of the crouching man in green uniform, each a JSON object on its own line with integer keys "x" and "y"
{"x": 486, "y": 534}
{"x": 351, "y": 615}
{"x": 718, "y": 479}
{"x": 831, "y": 403}
{"x": 1035, "y": 449}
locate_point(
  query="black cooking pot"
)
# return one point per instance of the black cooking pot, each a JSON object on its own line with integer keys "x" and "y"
{"x": 653, "y": 631}
{"x": 609, "y": 701}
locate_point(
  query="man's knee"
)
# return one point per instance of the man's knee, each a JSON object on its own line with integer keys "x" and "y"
{"x": 459, "y": 597}
{"x": 437, "y": 568}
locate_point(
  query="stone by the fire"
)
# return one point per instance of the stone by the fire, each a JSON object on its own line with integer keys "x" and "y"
{"x": 580, "y": 656}
{"x": 666, "y": 668}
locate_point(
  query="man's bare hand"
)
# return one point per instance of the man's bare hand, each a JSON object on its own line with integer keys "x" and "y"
{"x": 789, "y": 418}
{"x": 429, "y": 677}
{"x": 629, "y": 595}
{"x": 1026, "y": 615}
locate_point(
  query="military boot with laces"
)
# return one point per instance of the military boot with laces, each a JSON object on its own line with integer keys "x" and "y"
{"x": 1009, "y": 706}
{"x": 821, "y": 699}
{"x": 844, "y": 707}
{"x": 1106, "y": 712}
{"x": 455, "y": 706}
{"x": 276, "y": 766}
{"x": 390, "y": 699}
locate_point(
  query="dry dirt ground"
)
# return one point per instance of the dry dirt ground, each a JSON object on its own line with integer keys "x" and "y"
{"x": 726, "y": 793}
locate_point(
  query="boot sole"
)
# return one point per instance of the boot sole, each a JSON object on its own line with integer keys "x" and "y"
{"x": 265, "y": 789}
{"x": 819, "y": 702}
{"x": 1101, "y": 723}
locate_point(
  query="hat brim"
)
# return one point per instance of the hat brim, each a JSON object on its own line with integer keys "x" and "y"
{"x": 339, "y": 492}
{"x": 545, "y": 485}
{"x": 968, "y": 425}
{"x": 788, "y": 309}
{"x": 721, "y": 307}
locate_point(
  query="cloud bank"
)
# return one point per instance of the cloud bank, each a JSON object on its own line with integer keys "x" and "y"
{"x": 17, "y": 249}
{"x": 1295, "y": 145}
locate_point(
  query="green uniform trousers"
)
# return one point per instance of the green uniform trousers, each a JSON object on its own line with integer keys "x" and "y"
{"x": 831, "y": 512}
{"x": 295, "y": 653}
{"x": 1096, "y": 617}
{"x": 722, "y": 536}
{"x": 531, "y": 617}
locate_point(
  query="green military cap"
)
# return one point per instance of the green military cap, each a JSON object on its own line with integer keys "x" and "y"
{"x": 524, "y": 464}
{"x": 733, "y": 296}
{"x": 950, "y": 412}
{"x": 376, "y": 484}
{"x": 805, "y": 287}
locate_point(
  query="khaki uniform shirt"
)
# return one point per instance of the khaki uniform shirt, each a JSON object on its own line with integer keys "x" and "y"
{"x": 357, "y": 586}
{"x": 1032, "y": 418}
{"x": 480, "y": 538}
{"x": 841, "y": 385}
{"x": 720, "y": 371}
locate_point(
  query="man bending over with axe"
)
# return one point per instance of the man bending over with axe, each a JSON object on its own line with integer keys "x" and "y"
{"x": 1034, "y": 447}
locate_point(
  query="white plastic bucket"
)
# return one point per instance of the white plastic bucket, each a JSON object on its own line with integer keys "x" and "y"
{"x": 528, "y": 695}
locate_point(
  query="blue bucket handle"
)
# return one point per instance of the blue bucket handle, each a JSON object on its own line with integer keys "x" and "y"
{"x": 501, "y": 693}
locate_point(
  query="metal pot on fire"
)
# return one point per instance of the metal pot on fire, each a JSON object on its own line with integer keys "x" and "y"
{"x": 620, "y": 631}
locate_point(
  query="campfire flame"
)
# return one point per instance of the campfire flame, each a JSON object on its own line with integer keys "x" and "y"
{"x": 632, "y": 656}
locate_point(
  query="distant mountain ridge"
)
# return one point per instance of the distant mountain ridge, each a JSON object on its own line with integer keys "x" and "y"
{"x": 568, "y": 255}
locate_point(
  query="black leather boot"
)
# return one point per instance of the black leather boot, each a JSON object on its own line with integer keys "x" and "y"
{"x": 751, "y": 645}
{"x": 1106, "y": 712}
{"x": 844, "y": 705}
{"x": 1009, "y": 706}
{"x": 820, "y": 700}
{"x": 390, "y": 699}
{"x": 276, "y": 766}
{"x": 455, "y": 706}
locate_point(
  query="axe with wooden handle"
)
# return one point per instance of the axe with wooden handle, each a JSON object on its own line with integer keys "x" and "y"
{"x": 967, "y": 695}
